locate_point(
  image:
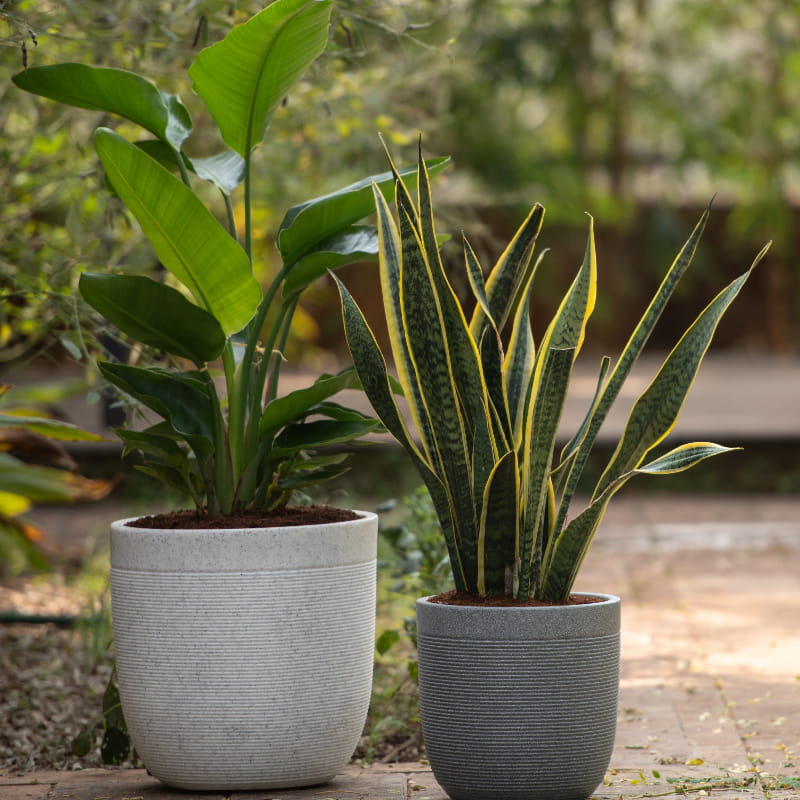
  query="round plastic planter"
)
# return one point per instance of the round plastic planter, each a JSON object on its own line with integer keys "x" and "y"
{"x": 519, "y": 703}
{"x": 244, "y": 657}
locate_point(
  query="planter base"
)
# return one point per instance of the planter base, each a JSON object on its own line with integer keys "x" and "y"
{"x": 244, "y": 657}
{"x": 519, "y": 703}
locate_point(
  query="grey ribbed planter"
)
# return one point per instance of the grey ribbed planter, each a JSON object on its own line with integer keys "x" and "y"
{"x": 244, "y": 657}
{"x": 519, "y": 703}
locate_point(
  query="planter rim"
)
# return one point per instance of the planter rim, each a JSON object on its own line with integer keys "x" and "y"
{"x": 243, "y": 549}
{"x": 503, "y": 623}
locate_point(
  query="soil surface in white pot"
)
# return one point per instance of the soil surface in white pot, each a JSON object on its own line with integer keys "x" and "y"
{"x": 292, "y": 515}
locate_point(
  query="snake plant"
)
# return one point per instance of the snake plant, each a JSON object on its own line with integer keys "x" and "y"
{"x": 484, "y": 400}
{"x": 244, "y": 447}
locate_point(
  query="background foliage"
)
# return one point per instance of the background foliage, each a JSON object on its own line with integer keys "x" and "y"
{"x": 636, "y": 110}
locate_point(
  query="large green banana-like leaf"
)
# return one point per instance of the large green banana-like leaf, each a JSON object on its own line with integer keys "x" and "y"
{"x": 356, "y": 243}
{"x": 655, "y": 412}
{"x": 567, "y": 550}
{"x": 295, "y": 404}
{"x": 307, "y": 225}
{"x": 186, "y": 237}
{"x": 154, "y": 314}
{"x": 180, "y": 399}
{"x": 319, "y": 433}
{"x": 243, "y": 78}
{"x": 114, "y": 90}
{"x": 225, "y": 170}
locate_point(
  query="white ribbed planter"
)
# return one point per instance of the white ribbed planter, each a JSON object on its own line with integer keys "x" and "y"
{"x": 519, "y": 703}
{"x": 244, "y": 657}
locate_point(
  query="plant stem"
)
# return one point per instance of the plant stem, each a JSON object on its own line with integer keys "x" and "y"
{"x": 231, "y": 219}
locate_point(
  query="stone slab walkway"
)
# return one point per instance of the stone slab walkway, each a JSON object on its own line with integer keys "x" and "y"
{"x": 710, "y": 691}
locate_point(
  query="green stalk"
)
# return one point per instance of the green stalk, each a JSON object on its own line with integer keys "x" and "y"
{"x": 182, "y": 168}
{"x": 248, "y": 230}
{"x": 229, "y": 211}
{"x": 282, "y": 327}
{"x": 224, "y": 494}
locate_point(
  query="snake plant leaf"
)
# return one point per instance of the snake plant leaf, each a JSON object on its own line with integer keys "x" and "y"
{"x": 114, "y": 90}
{"x": 656, "y": 410}
{"x": 371, "y": 368}
{"x": 372, "y": 372}
{"x": 299, "y": 402}
{"x": 563, "y": 560}
{"x": 510, "y": 274}
{"x": 599, "y": 410}
{"x": 356, "y": 243}
{"x": 308, "y": 224}
{"x": 180, "y": 399}
{"x": 498, "y": 539}
{"x": 154, "y": 314}
{"x": 186, "y": 237}
{"x": 477, "y": 282}
{"x": 683, "y": 458}
{"x": 243, "y": 78}
{"x": 568, "y": 327}
{"x": 518, "y": 365}
{"x": 541, "y": 430}
{"x": 567, "y": 549}
{"x": 421, "y": 246}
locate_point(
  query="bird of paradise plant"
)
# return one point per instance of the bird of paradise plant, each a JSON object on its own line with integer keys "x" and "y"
{"x": 246, "y": 448}
{"x": 483, "y": 416}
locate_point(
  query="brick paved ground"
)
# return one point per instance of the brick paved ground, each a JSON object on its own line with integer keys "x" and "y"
{"x": 710, "y": 694}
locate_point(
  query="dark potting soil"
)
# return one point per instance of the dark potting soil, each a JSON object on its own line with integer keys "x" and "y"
{"x": 454, "y": 598}
{"x": 294, "y": 515}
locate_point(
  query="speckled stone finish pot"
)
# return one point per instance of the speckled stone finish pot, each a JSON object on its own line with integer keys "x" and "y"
{"x": 244, "y": 657}
{"x": 519, "y": 703}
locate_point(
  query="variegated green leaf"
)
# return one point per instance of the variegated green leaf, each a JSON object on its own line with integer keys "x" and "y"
{"x": 656, "y": 411}
{"x": 568, "y": 327}
{"x": 424, "y": 329}
{"x": 683, "y": 458}
{"x": 499, "y": 531}
{"x": 518, "y": 365}
{"x": 371, "y": 368}
{"x": 541, "y": 430}
{"x": 510, "y": 274}
{"x": 603, "y": 402}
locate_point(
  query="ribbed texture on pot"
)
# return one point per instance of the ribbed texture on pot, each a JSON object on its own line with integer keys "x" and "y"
{"x": 244, "y": 680}
{"x": 518, "y": 720}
